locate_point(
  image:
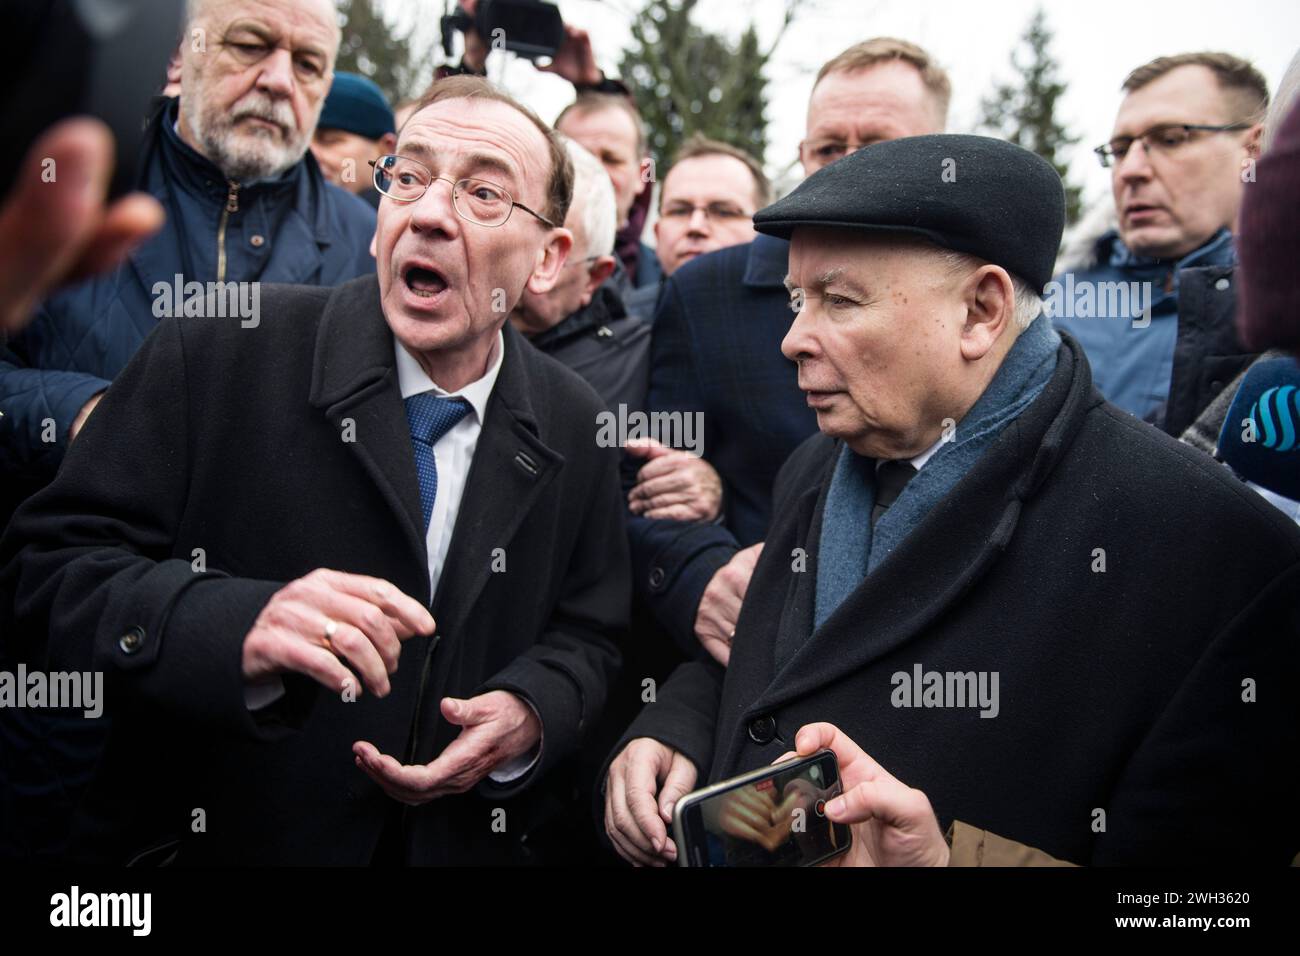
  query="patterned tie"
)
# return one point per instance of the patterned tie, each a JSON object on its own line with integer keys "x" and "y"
{"x": 891, "y": 478}
{"x": 430, "y": 418}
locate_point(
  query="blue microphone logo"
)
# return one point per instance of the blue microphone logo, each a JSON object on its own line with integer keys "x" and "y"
{"x": 1276, "y": 415}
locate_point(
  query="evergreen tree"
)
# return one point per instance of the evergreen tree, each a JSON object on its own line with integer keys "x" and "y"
{"x": 1025, "y": 114}
{"x": 374, "y": 48}
{"x": 688, "y": 80}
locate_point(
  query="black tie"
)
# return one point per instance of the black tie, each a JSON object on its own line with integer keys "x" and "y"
{"x": 891, "y": 478}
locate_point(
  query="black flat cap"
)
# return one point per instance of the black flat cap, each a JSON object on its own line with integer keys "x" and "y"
{"x": 974, "y": 194}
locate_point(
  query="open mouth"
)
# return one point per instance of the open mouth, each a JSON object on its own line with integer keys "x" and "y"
{"x": 424, "y": 282}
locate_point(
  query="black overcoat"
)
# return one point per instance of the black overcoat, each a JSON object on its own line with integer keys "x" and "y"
{"x": 1147, "y": 712}
{"x": 226, "y": 461}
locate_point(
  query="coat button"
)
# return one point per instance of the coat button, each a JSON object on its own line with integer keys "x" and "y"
{"x": 131, "y": 641}
{"x": 656, "y": 578}
{"x": 1222, "y": 285}
{"x": 762, "y": 729}
{"x": 257, "y": 241}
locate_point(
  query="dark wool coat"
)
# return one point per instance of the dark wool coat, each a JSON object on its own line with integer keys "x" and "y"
{"x": 236, "y": 441}
{"x": 1147, "y": 713}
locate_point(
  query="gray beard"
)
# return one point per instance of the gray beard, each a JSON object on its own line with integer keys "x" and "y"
{"x": 234, "y": 155}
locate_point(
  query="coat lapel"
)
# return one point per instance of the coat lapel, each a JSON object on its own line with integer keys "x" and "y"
{"x": 354, "y": 382}
{"x": 512, "y": 467}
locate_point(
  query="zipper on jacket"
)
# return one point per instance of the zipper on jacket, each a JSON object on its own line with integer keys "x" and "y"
{"x": 232, "y": 205}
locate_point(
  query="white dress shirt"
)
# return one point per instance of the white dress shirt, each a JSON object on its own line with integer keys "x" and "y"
{"x": 919, "y": 461}
{"x": 454, "y": 453}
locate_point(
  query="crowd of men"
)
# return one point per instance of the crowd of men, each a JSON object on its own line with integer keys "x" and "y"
{"x": 370, "y": 584}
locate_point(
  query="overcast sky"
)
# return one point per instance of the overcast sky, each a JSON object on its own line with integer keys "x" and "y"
{"x": 1096, "y": 44}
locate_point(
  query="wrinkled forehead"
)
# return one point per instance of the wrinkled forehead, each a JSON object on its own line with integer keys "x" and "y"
{"x": 713, "y": 177}
{"x": 478, "y": 137}
{"x": 603, "y": 125}
{"x": 859, "y": 101}
{"x": 822, "y": 257}
{"x": 1187, "y": 94}
{"x": 303, "y": 19}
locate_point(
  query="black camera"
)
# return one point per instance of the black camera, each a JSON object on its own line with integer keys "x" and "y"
{"x": 530, "y": 28}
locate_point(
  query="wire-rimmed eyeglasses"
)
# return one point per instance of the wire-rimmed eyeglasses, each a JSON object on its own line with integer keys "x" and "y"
{"x": 405, "y": 180}
{"x": 1163, "y": 138}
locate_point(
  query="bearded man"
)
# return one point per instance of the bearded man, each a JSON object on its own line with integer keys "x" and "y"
{"x": 245, "y": 201}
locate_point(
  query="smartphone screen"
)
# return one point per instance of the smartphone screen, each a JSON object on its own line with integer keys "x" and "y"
{"x": 776, "y": 818}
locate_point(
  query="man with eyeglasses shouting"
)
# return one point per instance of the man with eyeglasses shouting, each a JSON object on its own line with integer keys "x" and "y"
{"x": 244, "y": 203}
{"x": 1154, "y": 308}
{"x": 259, "y": 528}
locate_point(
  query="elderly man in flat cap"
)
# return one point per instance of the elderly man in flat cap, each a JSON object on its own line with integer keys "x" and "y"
{"x": 983, "y": 581}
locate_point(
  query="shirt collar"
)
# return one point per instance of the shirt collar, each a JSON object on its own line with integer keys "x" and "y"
{"x": 919, "y": 461}
{"x": 412, "y": 380}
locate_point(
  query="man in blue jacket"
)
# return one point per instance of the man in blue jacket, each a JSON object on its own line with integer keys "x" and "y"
{"x": 245, "y": 203}
{"x": 1153, "y": 309}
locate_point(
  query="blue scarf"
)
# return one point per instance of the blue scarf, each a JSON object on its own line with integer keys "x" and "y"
{"x": 849, "y": 548}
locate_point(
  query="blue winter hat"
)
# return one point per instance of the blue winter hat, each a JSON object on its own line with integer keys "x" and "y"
{"x": 355, "y": 104}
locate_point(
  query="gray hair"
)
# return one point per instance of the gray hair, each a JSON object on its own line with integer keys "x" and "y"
{"x": 1028, "y": 303}
{"x": 1285, "y": 98}
{"x": 593, "y": 200}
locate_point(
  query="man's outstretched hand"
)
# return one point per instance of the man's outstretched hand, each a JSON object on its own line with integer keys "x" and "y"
{"x": 497, "y": 727}
{"x": 54, "y": 225}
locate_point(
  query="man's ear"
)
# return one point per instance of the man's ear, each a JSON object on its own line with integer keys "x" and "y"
{"x": 550, "y": 260}
{"x": 990, "y": 299}
{"x": 599, "y": 270}
{"x": 1254, "y": 140}
{"x": 387, "y": 144}
{"x": 174, "y": 66}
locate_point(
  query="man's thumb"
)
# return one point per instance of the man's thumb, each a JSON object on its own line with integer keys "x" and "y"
{"x": 462, "y": 713}
{"x": 678, "y": 783}
{"x": 646, "y": 448}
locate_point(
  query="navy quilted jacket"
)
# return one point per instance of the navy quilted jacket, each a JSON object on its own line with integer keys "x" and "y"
{"x": 296, "y": 229}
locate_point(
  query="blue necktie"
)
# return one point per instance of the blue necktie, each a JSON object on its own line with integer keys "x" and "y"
{"x": 430, "y": 418}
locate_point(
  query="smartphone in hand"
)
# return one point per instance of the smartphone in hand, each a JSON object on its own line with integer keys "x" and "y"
{"x": 775, "y": 816}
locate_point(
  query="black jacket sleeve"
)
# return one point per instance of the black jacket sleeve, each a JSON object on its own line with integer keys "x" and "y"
{"x": 683, "y": 716}
{"x": 674, "y": 561}
{"x": 89, "y": 576}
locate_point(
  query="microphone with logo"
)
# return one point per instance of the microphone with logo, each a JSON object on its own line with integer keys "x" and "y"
{"x": 1260, "y": 439}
